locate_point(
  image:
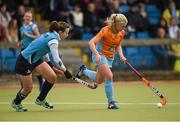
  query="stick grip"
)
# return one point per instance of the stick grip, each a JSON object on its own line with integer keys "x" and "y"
{"x": 84, "y": 83}
{"x": 133, "y": 69}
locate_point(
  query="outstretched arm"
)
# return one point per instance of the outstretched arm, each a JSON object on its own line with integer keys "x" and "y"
{"x": 53, "y": 45}
{"x": 92, "y": 45}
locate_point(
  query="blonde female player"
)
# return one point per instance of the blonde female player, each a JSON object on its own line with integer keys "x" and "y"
{"x": 30, "y": 59}
{"x": 103, "y": 47}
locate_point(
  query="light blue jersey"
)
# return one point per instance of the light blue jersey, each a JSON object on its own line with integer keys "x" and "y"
{"x": 39, "y": 47}
{"x": 29, "y": 29}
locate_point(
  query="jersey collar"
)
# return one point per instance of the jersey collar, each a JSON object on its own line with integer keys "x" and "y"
{"x": 57, "y": 35}
{"x": 27, "y": 24}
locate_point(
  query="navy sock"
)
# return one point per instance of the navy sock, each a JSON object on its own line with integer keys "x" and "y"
{"x": 19, "y": 98}
{"x": 41, "y": 81}
{"x": 46, "y": 87}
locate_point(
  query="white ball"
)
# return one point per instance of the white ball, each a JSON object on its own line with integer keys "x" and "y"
{"x": 159, "y": 105}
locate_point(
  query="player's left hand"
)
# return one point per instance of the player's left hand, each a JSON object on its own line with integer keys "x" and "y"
{"x": 25, "y": 33}
{"x": 98, "y": 58}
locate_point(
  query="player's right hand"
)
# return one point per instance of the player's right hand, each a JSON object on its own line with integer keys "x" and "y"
{"x": 98, "y": 58}
{"x": 123, "y": 59}
{"x": 18, "y": 44}
{"x": 67, "y": 74}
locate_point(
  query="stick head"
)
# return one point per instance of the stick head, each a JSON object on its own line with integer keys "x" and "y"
{"x": 163, "y": 101}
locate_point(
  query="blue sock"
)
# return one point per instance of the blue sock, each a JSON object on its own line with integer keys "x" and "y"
{"x": 90, "y": 74}
{"x": 109, "y": 90}
{"x": 41, "y": 81}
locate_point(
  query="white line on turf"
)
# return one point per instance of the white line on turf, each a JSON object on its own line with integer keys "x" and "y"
{"x": 92, "y": 121}
{"x": 93, "y": 103}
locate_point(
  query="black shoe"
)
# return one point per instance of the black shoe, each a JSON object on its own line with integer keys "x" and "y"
{"x": 80, "y": 72}
{"x": 44, "y": 103}
{"x": 19, "y": 107}
{"x": 112, "y": 105}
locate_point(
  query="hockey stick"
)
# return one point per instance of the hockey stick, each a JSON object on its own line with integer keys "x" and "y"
{"x": 152, "y": 87}
{"x": 84, "y": 83}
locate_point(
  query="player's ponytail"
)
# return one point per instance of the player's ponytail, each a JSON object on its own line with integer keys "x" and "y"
{"x": 114, "y": 19}
{"x": 54, "y": 26}
{"x": 58, "y": 26}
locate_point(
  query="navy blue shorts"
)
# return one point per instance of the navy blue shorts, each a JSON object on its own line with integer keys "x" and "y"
{"x": 23, "y": 67}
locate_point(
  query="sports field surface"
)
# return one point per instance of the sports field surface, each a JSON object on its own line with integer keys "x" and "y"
{"x": 73, "y": 102}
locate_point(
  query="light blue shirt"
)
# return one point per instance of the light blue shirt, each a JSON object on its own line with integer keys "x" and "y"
{"x": 40, "y": 46}
{"x": 29, "y": 29}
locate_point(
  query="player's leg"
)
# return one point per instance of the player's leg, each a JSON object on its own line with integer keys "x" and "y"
{"x": 108, "y": 82}
{"x": 26, "y": 82}
{"x": 99, "y": 76}
{"x": 21, "y": 84}
{"x": 46, "y": 72}
{"x": 24, "y": 71}
{"x": 84, "y": 71}
{"x": 39, "y": 77}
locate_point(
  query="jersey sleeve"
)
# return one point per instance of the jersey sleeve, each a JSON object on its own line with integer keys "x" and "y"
{"x": 34, "y": 26}
{"x": 101, "y": 33}
{"x": 123, "y": 33}
{"x": 52, "y": 42}
{"x": 53, "y": 45}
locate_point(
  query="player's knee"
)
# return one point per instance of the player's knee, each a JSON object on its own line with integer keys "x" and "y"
{"x": 109, "y": 76}
{"x": 27, "y": 89}
{"x": 52, "y": 78}
{"x": 100, "y": 81}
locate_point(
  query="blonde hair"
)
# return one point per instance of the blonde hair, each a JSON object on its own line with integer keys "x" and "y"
{"x": 117, "y": 18}
{"x": 12, "y": 31}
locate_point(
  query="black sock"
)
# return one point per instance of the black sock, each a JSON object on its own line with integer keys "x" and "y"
{"x": 19, "y": 98}
{"x": 40, "y": 79}
{"x": 46, "y": 87}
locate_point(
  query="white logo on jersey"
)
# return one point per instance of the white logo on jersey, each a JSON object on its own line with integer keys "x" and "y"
{"x": 28, "y": 71}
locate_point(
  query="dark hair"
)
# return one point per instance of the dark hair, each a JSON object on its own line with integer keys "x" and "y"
{"x": 2, "y": 4}
{"x": 58, "y": 26}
